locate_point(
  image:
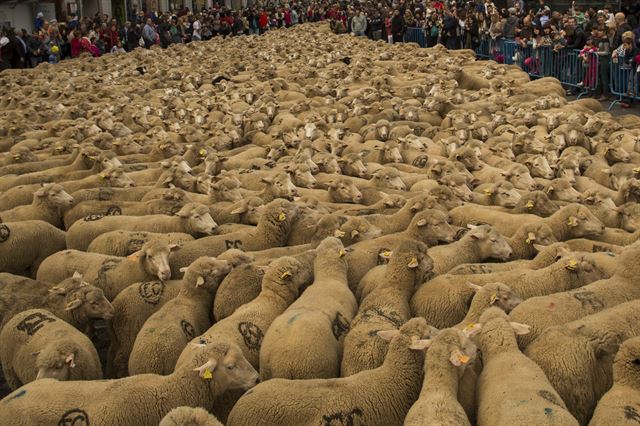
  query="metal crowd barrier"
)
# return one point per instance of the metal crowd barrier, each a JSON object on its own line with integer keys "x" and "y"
{"x": 416, "y": 35}
{"x": 624, "y": 81}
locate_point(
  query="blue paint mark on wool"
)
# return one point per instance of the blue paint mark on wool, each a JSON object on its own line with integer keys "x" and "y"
{"x": 292, "y": 319}
{"x": 16, "y": 396}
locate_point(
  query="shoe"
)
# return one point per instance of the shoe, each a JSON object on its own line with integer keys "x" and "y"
{"x": 581, "y": 84}
{"x": 624, "y": 105}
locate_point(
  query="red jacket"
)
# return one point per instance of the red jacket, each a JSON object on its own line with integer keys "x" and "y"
{"x": 263, "y": 20}
{"x": 76, "y": 47}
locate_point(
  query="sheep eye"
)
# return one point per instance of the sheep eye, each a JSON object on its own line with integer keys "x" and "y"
{"x": 231, "y": 367}
{"x": 196, "y": 217}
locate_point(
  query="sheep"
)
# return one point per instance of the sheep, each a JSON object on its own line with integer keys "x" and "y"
{"x": 305, "y": 342}
{"x": 399, "y": 220}
{"x": 35, "y": 344}
{"x": 49, "y": 202}
{"x": 25, "y": 245}
{"x": 193, "y": 219}
{"x": 281, "y": 285}
{"x": 72, "y": 300}
{"x": 166, "y": 332}
{"x": 428, "y": 226}
{"x": 207, "y": 374}
{"x": 619, "y": 404}
{"x": 125, "y": 243}
{"x": 492, "y": 294}
{"x": 340, "y": 190}
{"x": 559, "y": 308}
{"x": 273, "y": 230}
{"x": 240, "y": 286}
{"x": 545, "y": 257}
{"x": 357, "y": 399}
{"x": 500, "y": 395}
{"x": 501, "y": 193}
{"x": 385, "y": 307}
{"x": 189, "y": 416}
{"x": 135, "y": 304}
{"x": 110, "y": 273}
{"x": 571, "y": 221}
{"x": 246, "y": 211}
{"x": 588, "y": 346}
{"x": 444, "y": 300}
{"x": 448, "y": 356}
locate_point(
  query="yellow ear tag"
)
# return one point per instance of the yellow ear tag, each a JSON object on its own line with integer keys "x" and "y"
{"x": 101, "y": 176}
{"x": 571, "y": 221}
{"x": 339, "y": 233}
{"x": 463, "y": 359}
{"x": 469, "y": 326}
{"x": 493, "y": 298}
{"x": 571, "y": 265}
{"x": 342, "y": 253}
{"x": 386, "y": 253}
{"x": 208, "y": 375}
{"x": 282, "y": 217}
{"x": 530, "y": 204}
{"x": 488, "y": 192}
{"x": 285, "y": 274}
{"x": 636, "y": 170}
{"x": 413, "y": 263}
{"x": 202, "y": 152}
{"x": 531, "y": 237}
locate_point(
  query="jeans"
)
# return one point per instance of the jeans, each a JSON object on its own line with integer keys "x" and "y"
{"x": 359, "y": 33}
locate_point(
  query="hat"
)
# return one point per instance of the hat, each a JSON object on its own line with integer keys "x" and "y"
{"x": 55, "y": 49}
{"x": 39, "y": 15}
{"x": 511, "y": 10}
{"x": 4, "y": 41}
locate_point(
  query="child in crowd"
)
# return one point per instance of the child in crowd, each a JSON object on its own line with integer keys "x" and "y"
{"x": 590, "y": 63}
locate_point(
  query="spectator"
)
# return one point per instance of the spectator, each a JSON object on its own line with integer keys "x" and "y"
{"x": 511, "y": 23}
{"x": 21, "y": 51}
{"x": 39, "y": 22}
{"x": 359, "y": 24}
{"x": 621, "y": 26}
{"x": 36, "y": 49}
{"x": 149, "y": 34}
{"x": 118, "y": 48}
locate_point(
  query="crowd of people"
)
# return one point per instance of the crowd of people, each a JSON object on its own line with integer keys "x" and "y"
{"x": 611, "y": 34}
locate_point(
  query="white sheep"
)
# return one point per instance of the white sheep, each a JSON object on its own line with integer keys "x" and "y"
{"x": 500, "y": 395}
{"x": 35, "y": 344}
{"x": 110, "y": 273}
{"x": 620, "y": 404}
{"x": 449, "y": 355}
{"x": 163, "y": 336}
{"x": 305, "y": 342}
{"x": 189, "y": 416}
{"x": 588, "y": 346}
{"x": 206, "y": 374}
{"x": 24, "y": 245}
{"x": 125, "y": 243}
{"x": 192, "y": 219}
{"x": 382, "y": 396}
{"x": 49, "y": 202}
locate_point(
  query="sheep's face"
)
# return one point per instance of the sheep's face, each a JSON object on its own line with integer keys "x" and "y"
{"x": 506, "y": 195}
{"x": 445, "y": 197}
{"x": 329, "y": 164}
{"x": 489, "y": 243}
{"x": 277, "y": 151}
{"x": 227, "y": 190}
{"x": 458, "y": 184}
{"x": 24, "y": 156}
{"x": 617, "y": 154}
{"x": 354, "y": 166}
{"x": 180, "y": 179}
{"x": 539, "y": 167}
{"x": 391, "y": 154}
{"x": 207, "y": 272}
{"x": 629, "y": 217}
{"x": 382, "y": 131}
{"x": 115, "y": 178}
{"x": 539, "y": 234}
{"x": 250, "y": 208}
{"x": 520, "y": 178}
{"x": 55, "y": 195}
{"x": 569, "y": 172}
{"x": 592, "y": 125}
{"x": 502, "y": 296}
{"x": 239, "y": 373}
{"x": 434, "y": 226}
{"x": 126, "y": 148}
{"x": 584, "y": 224}
{"x": 538, "y": 203}
{"x": 281, "y": 186}
{"x": 95, "y": 305}
{"x": 388, "y": 179}
{"x": 302, "y": 176}
{"x": 344, "y": 191}
{"x": 584, "y": 266}
{"x": 155, "y": 258}
{"x": 358, "y": 229}
{"x": 53, "y": 363}
{"x": 198, "y": 219}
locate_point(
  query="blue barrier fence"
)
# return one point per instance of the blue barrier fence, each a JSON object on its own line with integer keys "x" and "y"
{"x": 582, "y": 73}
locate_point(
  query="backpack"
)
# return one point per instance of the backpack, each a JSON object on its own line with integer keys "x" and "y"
{"x": 434, "y": 31}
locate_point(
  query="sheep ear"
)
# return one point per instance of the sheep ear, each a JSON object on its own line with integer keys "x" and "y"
{"x": 472, "y": 329}
{"x": 458, "y": 359}
{"x": 413, "y": 263}
{"x": 134, "y": 257}
{"x": 519, "y": 328}
{"x": 387, "y": 335}
{"x": 42, "y": 192}
{"x": 74, "y": 304}
{"x": 421, "y": 223}
{"x": 77, "y": 275}
{"x": 339, "y": 234}
{"x": 549, "y": 189}
{"x": 206, "y": 370}
{"x": 385, "y": 255}
{"x": 239, "y": 210}
{"x": 58, "y": 290}
{"x": 268, "y": 181}
{"x": 531, "y": 237}
{"x": 285, "y": 275}
{"x": 184, "y": 212}
{"x": 420, "y": 345}
{"x": 474, "y": 287}
{"x": 538, "y": 247}
{"x": 174, "y": 247}
{"x": 183, "y": 269}
{"x": 572, "y": 221}
{"x": 200, "y": 281}
{"x": 70, "y": 360}
{"x": 355, "y": 233}
{"x": 35, "y": 353}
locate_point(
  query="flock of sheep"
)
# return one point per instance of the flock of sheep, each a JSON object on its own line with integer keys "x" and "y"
{"x": 309, "y": 229}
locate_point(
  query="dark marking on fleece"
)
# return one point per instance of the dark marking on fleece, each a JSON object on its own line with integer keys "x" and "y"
{"x": 188, "y": 329}
{"x": 549, "y": 396}
{"x": 343, "y": 418}
{"x": 588, "y": 300}
{"x": 339, "y": 326}
{"x": 34, "y": 322}
{"x": 93, "y": 217}
{"x": 114, "y": 211}
{"x": 151, "y": 291}
{"x": 74, "y": 417}
{"x": 631, "y": 413}
{"x": 5, "y": 232}
{"x": 233, "y": 244}
{"x": 251, "y": 334}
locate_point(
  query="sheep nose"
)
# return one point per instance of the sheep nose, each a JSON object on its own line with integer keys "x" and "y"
{"x": 312, "y": 185}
